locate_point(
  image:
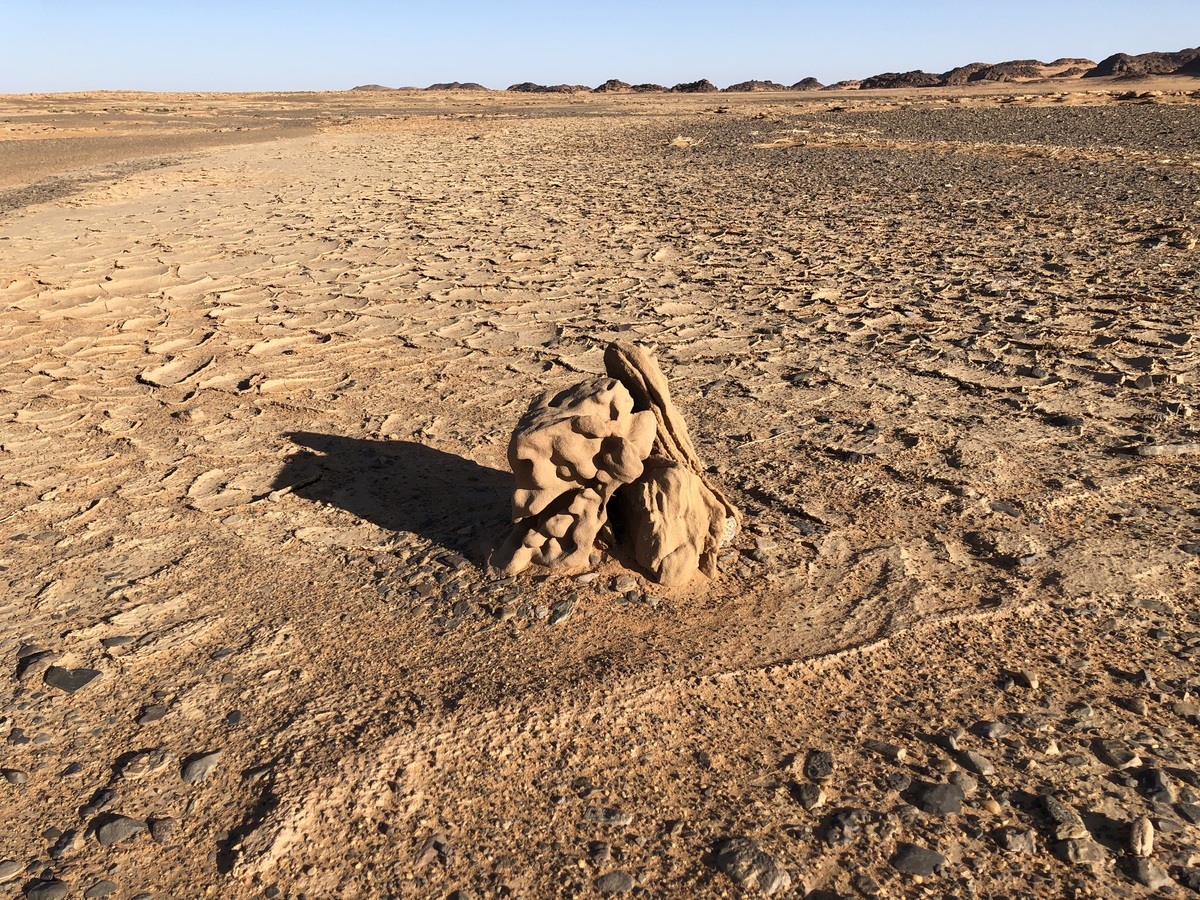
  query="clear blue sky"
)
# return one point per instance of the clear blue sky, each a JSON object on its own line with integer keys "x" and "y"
{"x": 52, "y": 45}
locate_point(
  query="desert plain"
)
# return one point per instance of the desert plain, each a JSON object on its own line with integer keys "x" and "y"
{"x": 260, "y": 358}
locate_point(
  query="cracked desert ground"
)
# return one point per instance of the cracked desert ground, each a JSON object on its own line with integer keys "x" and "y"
{"x": 260, "y": 359}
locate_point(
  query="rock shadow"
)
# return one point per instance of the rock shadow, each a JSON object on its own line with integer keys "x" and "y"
{"x": 404, "y": 487}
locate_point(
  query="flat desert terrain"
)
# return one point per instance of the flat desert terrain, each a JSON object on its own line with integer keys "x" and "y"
{"x": 260, "y": 359}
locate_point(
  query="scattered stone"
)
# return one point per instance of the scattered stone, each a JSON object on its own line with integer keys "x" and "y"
{"x": 901, "y": 782}
{"x": 47, "y": 889}
{"x": 913, "y": 859}
{"x": 963, "y": 781}
{"x": 1189, "y": 811}
{"x": 892, "y": 752}
{"x": 33, "y": 663}
{"x": 1028, "y": 679}
{"x": 1141, "y": 837}
{"x": 15, "y": 776}
{"x": 952, "y": 738}
{"x": 69, "y": 680}
{"x": 146, "y": 762}
{"x": 1149, "y": 872}
{"x": 819, "y": 766}
{"x": 9, "y": 868}
{"x": 1069, "y": 823}
{"x": 1017, "y": 840}
{"x": 992, "y": 731}
{"x": 101, "y": 800}
{"x": 599, "y": 851}
{"x": 561, "y": 611}
{"x": 978, "y": 763}
{"x": 162, "y": 828}
{"x": 67, "y": 842}
{"x": 615, "y": 882}
{"x": 623, "y": 584}
{"x": 197, "y": 768}
{"x": 1082, "y": 851}
{"x": 748, "y": 866}
{"x": 1115, "y": 754}
{"x": 810, "y": 796}
{"x": 436, "y": 846}
{"x": 843, "y": 825}
{"x": 1156, "y": 785}
{"x": 100, "y": 889}
{"x": 118, "y": 828}
{"x": 151, "y": 713}
{"x": 608, "y": 815}
{"x": 935, "y": 799}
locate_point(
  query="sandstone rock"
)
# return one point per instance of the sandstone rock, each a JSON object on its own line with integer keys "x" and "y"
{"x": 684, "y": 533}
{"x": 569, "y": 453}
{"x": 618, "y": 436}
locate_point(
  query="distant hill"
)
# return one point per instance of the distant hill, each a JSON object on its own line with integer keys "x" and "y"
{"x": 457, "y": 86}
{"x": 1124, "y": 65}
{"x": 1120, "y": 65}
{"x": 743, "y": 87}
{"x": 703, "y": 86}
{"x": 529, "y": 87}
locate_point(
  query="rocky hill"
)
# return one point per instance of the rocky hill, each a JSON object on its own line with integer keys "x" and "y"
{"x": 917, "y": 78}
{"x": 807, "y": 84}
{"x": 614, "y": 86}
{"x": 703, "y": 86}
{"x": 1122, "y": 64}
{"x": 529, "y": 87}
{"x": 457, "y": 86}
{"x": 753, "y": 86}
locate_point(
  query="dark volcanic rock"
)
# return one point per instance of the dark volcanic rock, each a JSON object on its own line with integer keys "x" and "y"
{"x": 743, "y": 87}
{"x": 648, "y": 88}
{"x": 69, "y": 680}
{"x": 614, "y": 86}
{"x": 962, "y": 74}
{"x": 1012, "y": 70}
{"x": 807, "y": 84}
{"x": 744, "y": 861}
{"x": 1122, "y": 64}
{"x": 703, "y": 86}
{"x": 935, "y": 799}
{"x": 529, "y": 87}
{"x": 456, "y": 86}
{"x": 913, "y": 859}
{"x": 916, "y": 78}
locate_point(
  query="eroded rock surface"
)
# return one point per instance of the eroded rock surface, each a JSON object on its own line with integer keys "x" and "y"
{"x": 569, "y": 453}
{"x": 621, "y": 435}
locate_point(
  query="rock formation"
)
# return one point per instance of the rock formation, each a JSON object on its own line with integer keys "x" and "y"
{"x": 529, "y": 87}
{"x": 649, "y": 88}
{"x": 745, "y": 87}
{"x": 456, "y": 86}
{"x": 807, "y": 84}
{"x": 703, "y": 86}
{"x": 617, "y": 439}
{"x": 1122, "y": 64}
{"x": 916, "y": 78}
{"x": 614, "y": 86}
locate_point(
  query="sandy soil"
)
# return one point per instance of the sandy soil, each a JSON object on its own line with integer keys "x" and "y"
{"x": 255, "y": 394}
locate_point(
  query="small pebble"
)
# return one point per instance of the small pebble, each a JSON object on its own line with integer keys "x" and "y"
{"x": 198, "y": 768}
{"x": 913, "y": 859}
{"x": 749, "y": 867}
{"x": 616, "y": 882}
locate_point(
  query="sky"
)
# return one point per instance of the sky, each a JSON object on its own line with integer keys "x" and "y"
{"x": 270, "y": 45}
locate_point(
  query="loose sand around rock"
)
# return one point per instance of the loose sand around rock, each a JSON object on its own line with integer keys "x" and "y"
{"x": 254, "y": 405}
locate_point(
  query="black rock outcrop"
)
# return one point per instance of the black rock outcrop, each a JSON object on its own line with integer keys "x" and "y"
{"x": 743, "y": 87}
{"x": 703, "y": 86}
{"x": 916, "y": 78}
{"x": 1122, "y": 64}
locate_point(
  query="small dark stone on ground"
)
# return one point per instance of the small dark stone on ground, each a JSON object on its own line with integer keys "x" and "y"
{"x": 100, "y": 889}
{"x": 69, "y": 680}
{"x": 913, "y": 859}
{"x": 748, "y": 866}
{"x": 616, "y": 882}
{"x": 935, "y": 799}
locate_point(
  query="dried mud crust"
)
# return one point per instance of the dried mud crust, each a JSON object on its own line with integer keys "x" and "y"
{"x": 254, "y": 415}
